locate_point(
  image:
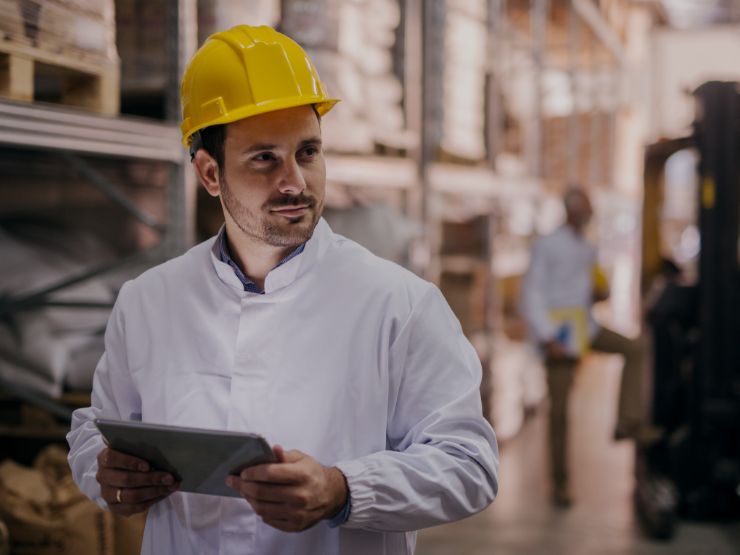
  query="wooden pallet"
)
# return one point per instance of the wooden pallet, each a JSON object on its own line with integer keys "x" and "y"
{"x": 85, "y": 84}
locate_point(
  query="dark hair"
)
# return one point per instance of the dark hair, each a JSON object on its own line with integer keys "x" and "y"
{"x": 212, "y": 140}
{"x": 213, "y": 137}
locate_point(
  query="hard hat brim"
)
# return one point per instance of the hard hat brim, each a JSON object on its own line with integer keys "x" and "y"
{"x": 322, "y": 104}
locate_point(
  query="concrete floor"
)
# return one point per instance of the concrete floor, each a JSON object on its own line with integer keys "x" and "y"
{"x": 601, "y": 521}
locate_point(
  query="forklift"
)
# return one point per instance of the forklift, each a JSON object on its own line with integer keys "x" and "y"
{"x": 694, "y": 320}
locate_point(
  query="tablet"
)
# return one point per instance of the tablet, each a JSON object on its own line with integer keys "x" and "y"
{"x": 199, "y": 459}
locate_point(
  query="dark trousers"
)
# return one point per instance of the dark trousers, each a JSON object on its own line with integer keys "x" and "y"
{"x": 560, "y": 380}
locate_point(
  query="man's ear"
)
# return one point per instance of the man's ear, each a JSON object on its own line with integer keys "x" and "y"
{"x": 208, "y": 171}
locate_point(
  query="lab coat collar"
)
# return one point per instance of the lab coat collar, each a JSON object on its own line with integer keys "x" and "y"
{"x": 283, "y": 275}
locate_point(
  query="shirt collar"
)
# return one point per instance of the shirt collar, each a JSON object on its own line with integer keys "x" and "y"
{"x": 224, "y": 255}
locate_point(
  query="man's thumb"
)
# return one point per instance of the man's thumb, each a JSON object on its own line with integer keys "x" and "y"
{"x": 279, "y": 453}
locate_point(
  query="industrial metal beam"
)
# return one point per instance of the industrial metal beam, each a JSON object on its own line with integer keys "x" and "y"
{"x": 34, "y": 126}
{"x": 34, "y": 398}
{"x": 9, "y": 305}
{"x": 103, "y": 184}
{"x": 182, "y": 22}
{"x": 593, "y": 18}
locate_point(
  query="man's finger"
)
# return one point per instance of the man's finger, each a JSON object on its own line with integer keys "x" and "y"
{"x": 135, "y": 496}
{"x": 287, "y": 517}
{"x": 293, "y": 456}
{"x": 274, "y": 493}
{"x": 115, "y": 459}
{"x": 278, "y": 473}
{"x": 265, "y": 509}
{"x": 263, "y": 491}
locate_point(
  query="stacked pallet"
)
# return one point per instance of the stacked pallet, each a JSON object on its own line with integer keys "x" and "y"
{"x": 142, "y": 41}
{"x": 352, "y": 45}
{"x": 62, "y": 50}
{"x": 592, "y": 152}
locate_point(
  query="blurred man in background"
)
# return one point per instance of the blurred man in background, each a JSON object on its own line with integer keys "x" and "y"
{"x": 278, "y": 326}
{"x": 560, "y": 287}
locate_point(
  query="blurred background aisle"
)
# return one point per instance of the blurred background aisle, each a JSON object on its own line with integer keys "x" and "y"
{"x": 522, "y": 520}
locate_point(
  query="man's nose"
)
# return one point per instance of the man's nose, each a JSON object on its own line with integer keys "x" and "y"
{"x": 292, "y": 181}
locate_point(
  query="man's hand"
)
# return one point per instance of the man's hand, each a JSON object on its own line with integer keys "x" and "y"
{"x": 129, "y": 485}
{"x": 555, "y": 350}
{"x": 293, "y": 494}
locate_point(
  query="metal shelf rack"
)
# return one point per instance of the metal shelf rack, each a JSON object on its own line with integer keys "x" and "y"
{"x": 78, "y": 134}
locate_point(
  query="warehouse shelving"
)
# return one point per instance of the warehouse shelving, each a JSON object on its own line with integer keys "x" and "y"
{"x": 76, "y": 135}
{"x": 79, "y": 136}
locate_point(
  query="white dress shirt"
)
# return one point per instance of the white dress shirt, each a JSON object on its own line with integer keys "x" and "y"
{"x": 346, "y": 357}
{"x": 560, "y": 276}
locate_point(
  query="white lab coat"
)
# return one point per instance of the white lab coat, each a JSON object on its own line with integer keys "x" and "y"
{"x": 346, "y": 356}
{"x": 560, "y": 275}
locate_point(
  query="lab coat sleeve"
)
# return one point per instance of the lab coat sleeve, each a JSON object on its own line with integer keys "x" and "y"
{"x": 113, "y": 396}
{"x": 534, "y": 300}
{"x": 442, "y": 459}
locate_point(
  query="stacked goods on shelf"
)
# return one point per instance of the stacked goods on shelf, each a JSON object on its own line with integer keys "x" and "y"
{"x": 378, "y": 226}
{"x": 47, "y": 514}
{"x": 61, "y": 50}
{"x": 141, "y": 25}
{"x": 142, "y": 38}
{"x": 4, "y": 539}
{"x": 62, "y": 344}
{"x": 353, "y": 45}
{"x": 593, "y": 129}
{"x": 465, "y": 276}
{"x": 462, "y": 80}
{"x": 218, "y": 15}
{"x": 62, "y": 226}
{"x": 465, "y": 281}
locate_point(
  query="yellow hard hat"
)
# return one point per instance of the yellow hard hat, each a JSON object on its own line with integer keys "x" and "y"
{"x": 600, "y": 281}
{"x": 247, "y": 71}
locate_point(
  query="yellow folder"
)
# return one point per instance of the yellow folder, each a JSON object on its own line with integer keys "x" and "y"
{"x": 572, "y": 326}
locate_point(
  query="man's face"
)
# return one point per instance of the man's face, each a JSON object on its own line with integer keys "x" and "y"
{"x": 273, "y": 181}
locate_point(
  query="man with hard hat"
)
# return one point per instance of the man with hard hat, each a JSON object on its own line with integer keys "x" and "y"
{"x": 353, "y": 368}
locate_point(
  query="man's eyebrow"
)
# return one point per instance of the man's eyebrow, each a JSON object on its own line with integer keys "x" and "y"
{"x": 257, "y": 147}
{"x": 313, "y": 141}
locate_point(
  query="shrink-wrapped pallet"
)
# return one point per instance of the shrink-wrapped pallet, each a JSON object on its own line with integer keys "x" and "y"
{"x": 60, "y": 50}
{"x": 68, "y": 27}
{"x": 352, "y": 45}
{"x": 142, "y": 30}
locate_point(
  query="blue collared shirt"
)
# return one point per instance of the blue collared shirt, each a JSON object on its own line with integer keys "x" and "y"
{"x": 224, "y": 254}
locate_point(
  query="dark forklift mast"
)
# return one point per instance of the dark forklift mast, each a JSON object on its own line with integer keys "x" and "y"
{"x": 695, "y": 470}
{"x": 717, "y": 135}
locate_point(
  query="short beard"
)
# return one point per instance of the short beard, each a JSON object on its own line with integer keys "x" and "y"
{"x": 257, "y": 226}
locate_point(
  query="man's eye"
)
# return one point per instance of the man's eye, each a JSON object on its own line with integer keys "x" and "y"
{"x": 264, "y": 157}
{"x": 309, "y": 151}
